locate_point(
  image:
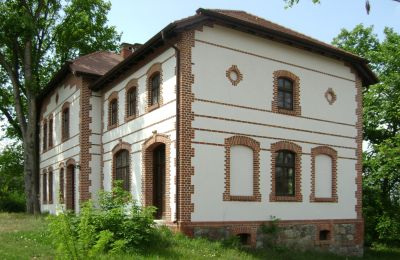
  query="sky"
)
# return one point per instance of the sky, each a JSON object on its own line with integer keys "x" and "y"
{"x": 140, "y": 20}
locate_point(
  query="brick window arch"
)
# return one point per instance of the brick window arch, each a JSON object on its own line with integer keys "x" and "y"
{"x": 44, "y": 187}
{"x": 332, "y": 155}
{"x": 131, "y": 100}
{"x": 44, "y": 135}
{"x": 65, "y": 121}
{"x": 50, "y": 184}
{"x": 286, "y": 98}
{"x": 148, "y": 148}
{"x": 121, "y": 164}
{"x": 113, "y": 110}
{"x": 154, "y": 87}
{"x": 280, "y": 172}
{"x": 254, "y": 146}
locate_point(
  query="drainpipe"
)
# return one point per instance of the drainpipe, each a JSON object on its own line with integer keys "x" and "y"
{"x": 178, "y": 76}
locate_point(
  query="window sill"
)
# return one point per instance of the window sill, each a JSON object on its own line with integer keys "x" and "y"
{"x": 110, "y": 127}
{"x": 153, "y": 107}
{"x": 291, "y": 112}
{"x": 332, "y": 200}
{"x": 130, "y": 118}
{"x": 275, "y": 198}
{"x": 242, "y": 198}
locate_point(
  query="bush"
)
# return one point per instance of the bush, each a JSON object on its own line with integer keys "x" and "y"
{"x": 118, "y": 225}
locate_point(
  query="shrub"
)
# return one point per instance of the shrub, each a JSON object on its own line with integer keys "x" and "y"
{"x": 118, "y": 225}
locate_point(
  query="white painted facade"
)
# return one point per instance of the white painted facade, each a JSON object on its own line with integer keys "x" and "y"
{"x": 61, "y": 151}
{"x": 222, "y": 110}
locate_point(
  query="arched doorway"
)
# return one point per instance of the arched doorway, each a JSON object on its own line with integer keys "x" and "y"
{"x": 159, "y": 180}
{"x": 70, "y": 188}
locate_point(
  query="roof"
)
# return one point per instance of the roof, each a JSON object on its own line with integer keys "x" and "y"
{"x": 248, "y": 23}
{"x": 95, "y": 64}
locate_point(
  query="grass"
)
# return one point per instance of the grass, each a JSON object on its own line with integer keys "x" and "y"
{"x": 25, "y": 237}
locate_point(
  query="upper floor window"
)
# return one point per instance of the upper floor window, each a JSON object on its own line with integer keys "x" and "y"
{"x": 122, "y": 168}
{"x": 155, "y": 89}
{"x": 286, "y": 99}
{"x": 285, "y": 173}
{"x": 44, "y": 135}
{"x": 131, "y": 102}
{"x": 50, "y": 132}
{"x": 65, "y": 122}
{"x": 285, "y": 93}
{"x": 113, "y": 112}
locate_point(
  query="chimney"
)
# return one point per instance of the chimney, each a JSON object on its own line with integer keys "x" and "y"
{"x": 128, "y": 48}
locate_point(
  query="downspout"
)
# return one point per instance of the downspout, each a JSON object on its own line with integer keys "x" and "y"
{"x": 178, "y": 76}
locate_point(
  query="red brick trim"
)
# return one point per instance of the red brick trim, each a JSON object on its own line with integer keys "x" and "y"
{"x": 255, "y": 146}
{"x": 186, "y": 132}
{"x": 285, "y": 145}
{"x": 147, "y": 177}
{"x": 238, "y": 75}
{"x": 296, "y": 93}
{"x": 131, "y": 86}
{"x": 117, "y": 148}
{"x": 324, "y": 150}
{"x": 111, "y": 98}
{"x": 330, "y": 96}
{"x": 359, "y": 141}
{"x": 65, "y": 134}
{"x": 155, "y": 68}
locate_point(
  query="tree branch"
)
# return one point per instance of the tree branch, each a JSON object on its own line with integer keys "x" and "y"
{"x": 12, "y": 121}
{"x": 16, "y": 92}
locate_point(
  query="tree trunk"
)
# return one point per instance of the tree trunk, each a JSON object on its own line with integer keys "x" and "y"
{"x": 31, "y": 163}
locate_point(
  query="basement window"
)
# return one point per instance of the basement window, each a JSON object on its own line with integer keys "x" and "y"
{"x": 244, "y": 239}
{"x": 324, "y": 235}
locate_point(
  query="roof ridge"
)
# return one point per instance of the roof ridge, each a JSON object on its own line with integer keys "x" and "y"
{"x": 92, "y": 54}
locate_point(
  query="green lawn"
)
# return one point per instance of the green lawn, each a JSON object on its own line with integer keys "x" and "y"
{"x": 25, "y": 237}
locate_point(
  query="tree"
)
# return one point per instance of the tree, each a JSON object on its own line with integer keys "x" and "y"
{"x": 381, "y": 166}
{"x": 290, "y": 3}
{"x": 36, "y": 37}
{"x": 12, "y": 178}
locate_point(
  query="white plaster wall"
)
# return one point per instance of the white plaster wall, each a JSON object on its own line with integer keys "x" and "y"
{"x": 245, "y": 109}
{"x": 61, "y": 151}
{"x": 241, "y": 170}
{"x": 135, "y": 132}
{"x": 323, "y": 176}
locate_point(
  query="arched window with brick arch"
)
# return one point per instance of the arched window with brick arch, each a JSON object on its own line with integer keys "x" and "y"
{"x": 242, "y": 169}
{"x": 286, "y": 172}
{"x": 113, "y": 110}
{"x": 323, "y": 174}
{"x": 286, "y": 91}
{"x": 131, "y": 100}
{"x": 121, "y": 164}
{"x": 154, "y": 81}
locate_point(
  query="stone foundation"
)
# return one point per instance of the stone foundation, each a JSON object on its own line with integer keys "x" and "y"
{"x": 343, "y": 237}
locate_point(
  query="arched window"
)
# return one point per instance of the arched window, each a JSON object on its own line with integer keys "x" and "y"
{"x": 286, "y": 98}
{"x": 44, "y": 135}
{"x": 62, "y": 185}
{"x": 122, "y": 168}
{"x": 44, "y": 187}
{"x": 131, "y": 97}
{"x": 155, "y": 89}
{"x": 285, "y": 93}
{"x": 65, "y": 122}
{"x": 50, "y": 187}
{"x": 50, "y": 132}
{"x": 113, "y": 112}
{"x": 285, "y": 173}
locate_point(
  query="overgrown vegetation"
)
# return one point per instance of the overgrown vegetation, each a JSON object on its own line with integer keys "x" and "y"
{"x": 381, "y": 160}
{"x": 12, "y": 198}
{"x": 118, "y": 225}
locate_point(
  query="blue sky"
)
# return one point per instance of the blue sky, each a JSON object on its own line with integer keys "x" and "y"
{"x": 140, "y": 20}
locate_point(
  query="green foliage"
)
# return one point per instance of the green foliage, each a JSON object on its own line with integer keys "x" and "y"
{"x": 12, "y": 198}
{"x": 381, "y": 161}
{"x": 270, "y": 232}
{"x": 119, "y": 225}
